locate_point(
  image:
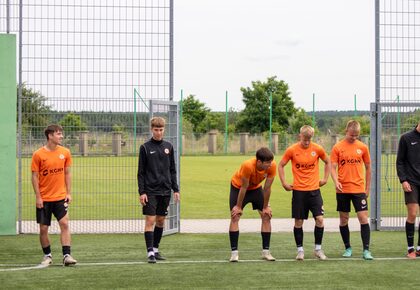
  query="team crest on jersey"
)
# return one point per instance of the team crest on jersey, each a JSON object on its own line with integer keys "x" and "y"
{"x": 313, "y": 153}
{"x": 363, "y": 201}
{"x": 358, "y": 151}
{"x": 166, "y": 151}
{"x": 61, "y": 156}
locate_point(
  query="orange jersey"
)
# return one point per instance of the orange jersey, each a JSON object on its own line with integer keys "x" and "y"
{"x": 249, "y": 170}
{"x": 50, "y": 166}
{"x": 305, "y": 165}
{"x": 351, "y": 159}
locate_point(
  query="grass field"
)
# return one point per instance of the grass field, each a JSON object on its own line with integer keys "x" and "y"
{"x": 200, "y": 261}
{"x": 106, "y": 188}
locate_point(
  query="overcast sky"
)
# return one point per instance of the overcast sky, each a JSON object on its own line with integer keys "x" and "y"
{"x": 324, "y": 47}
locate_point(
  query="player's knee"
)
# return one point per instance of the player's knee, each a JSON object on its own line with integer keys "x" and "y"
{"x": 319, "y": 221}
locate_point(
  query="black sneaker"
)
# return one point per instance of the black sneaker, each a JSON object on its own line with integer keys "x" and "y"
{"x": 159, "y": 257}
{"x": 151, "y": 259}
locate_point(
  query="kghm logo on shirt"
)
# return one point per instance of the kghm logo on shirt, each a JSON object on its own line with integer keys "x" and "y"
{"x": 351, "y": 161}
{"x": 305, "y": 166}
{"x": 52, "y": 171}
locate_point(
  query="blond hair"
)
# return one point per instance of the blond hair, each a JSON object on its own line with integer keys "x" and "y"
{"x": 307, "y": 131}
{"x": 353, "y": 125}
{"x": 157, "y": 122}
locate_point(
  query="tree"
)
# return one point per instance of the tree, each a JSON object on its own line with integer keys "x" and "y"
{"x": 195, "y": 112}
{"x": 255, "y": 118}
{"x": 72, "y": 123}
{"x": 299, "y": 119}
{"x": 35, "y": 112}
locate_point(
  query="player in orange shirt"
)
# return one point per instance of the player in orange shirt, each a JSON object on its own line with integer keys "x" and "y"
{"x": 246, "y": 188}
{"x": 351, "y": 159}
{"x": 307, "y": 197}
{"x": 51, "y": 180}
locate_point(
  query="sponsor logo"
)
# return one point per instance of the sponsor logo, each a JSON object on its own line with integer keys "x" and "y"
{"x": 414, "y": 143}
{"x": 363, "y": 206}
{"x": 351, "y": 161}
{"x": 305, "y": 166}
{"x": 363, "y": 201}
{"x": 166, "y": 151}
{"x": 61, "y": 156}
{"x": 45, "y": 172}
{"x": 152, "y": 152}
{"x": 313, "y": 153}
{"x": 52, "y": 171}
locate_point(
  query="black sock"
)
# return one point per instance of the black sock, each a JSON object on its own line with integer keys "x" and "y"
{"x": 409, "y": 232}
{"x": 298, "y": 233}
{"x": 234, "y": 237}
{"x": 66, "y": 250}
{"x": 157, "y": 236}
{"x": 148, "y": 237}
{"x": 318, "y": 233}
{"x": 266, "y": 240}
{"x": 418, "y": 243}
{"x": 345, "y": 235}
{"x": 365, "y": 233}
{"x": 47, "y": 250}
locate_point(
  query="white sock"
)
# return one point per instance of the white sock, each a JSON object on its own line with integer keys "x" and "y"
{"x": 150, "y": 254}
{"x": 300, "y": 249}
{"x": 236, "y": 251}
{"x": 418, "y": 248}
{"x": 410, "y": 248}
{"x": 317, "y": 247}
{"x": 156, "y": 250}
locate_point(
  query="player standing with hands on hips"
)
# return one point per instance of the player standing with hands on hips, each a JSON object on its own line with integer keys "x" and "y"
{"x": 51, "y": 180}
{"x": 156, "y": 179}
{"x": 408, "y": 170}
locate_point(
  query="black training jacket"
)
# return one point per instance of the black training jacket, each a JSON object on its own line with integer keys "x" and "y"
{"x": 156, "y": 173}
{"x": 408, "y": 158}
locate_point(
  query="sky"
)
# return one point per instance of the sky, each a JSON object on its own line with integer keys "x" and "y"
{"x": 323, "y": 47}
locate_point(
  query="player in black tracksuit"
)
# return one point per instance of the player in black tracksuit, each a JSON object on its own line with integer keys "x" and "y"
{"x": 156, "y": 179}
{"x": 408, "y": 170}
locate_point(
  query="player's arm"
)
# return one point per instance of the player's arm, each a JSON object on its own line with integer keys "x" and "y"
{"x": 141, "y": 172}
{"x": 327, "y": 170}
{"x": 35, "y": 185}
{"x": 338, "y": 186}
{"x": 285, "y": 185}
{"x": 267, "y": 193}
{"x": 237, "y": 209}
{"x": 368, "y": 178}
{"x": 67, "y": 178}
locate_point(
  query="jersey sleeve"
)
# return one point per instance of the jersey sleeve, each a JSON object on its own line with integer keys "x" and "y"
{"x": 366, "y": 155}
{"x": 322, "y": 153}
{"x": 288, "y": 154}
{"x": 272, "y": 170}
{"x": 245, "y": 171}
{"x": 334, "y": 155}
{"x": 35, "y": 162}
{"x": 69, "y": 159}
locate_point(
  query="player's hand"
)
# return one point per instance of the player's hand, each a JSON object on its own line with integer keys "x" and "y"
{"x": 236, "y": 211}
{"x": 339, "y": 187}
{"x": 39, "y": 202}
{"x": 406, "y": 186}
{"x": 176, "y": 196}
{"x": 288, "y": 187}
{"x": 68, "y": 198}
{"x": 267, "y": 211}
{"x": 367, "y": 192}
{"x": 322, "y": 182}
{"x": 143, "y": 199}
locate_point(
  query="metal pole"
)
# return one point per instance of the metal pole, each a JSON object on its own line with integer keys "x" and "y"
{"x": 355, "y": 105}
{"x": 8, "y": 16}
{"x": 19, "y": 149}
{"x": 226, "y": 123}
{"x": 377, "y": 55}
{"x": 171, "y": 50}
{"x": 398, "y": 117}
{"x": 313, "y": 110}
{"x": 271, "y": 118}
{"x": 135, "y": 123}
{"x": 180, "y": 122}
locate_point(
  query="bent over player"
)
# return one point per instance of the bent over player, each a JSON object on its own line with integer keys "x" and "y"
{"x": 156, "y": 178}
{"x": 350, "y": 158}
{"x": 51, "y": 180}
{"x": 307, "y": 197}
{"x": 246, "y": 188}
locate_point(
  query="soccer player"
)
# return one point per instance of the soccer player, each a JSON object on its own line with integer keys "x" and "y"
{"x": 156, "y": 178}
{"x": 307, "y": 197}
{"x": 246, "y": 188}
{"x": 408, "y": 170}
{"x": 51, "y": 180}
{"x": 351, "y": 157}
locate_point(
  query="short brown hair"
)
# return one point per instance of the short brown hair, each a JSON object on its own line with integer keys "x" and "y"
{"x": 51, "y": 129}
{"x": 353, "y": 125}
{"x": 264, "y": 154}
{"x": 157, "y": 122}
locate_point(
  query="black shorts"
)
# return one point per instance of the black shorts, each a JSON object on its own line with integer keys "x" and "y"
{"x": 157, "y": 205}
{"x": 305, "y": 201}
{"x": 359, "y": 201}
{"x": 413, "y": 195}
{"x": 254, "y": 196}
{"x": 58, "y": 208}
